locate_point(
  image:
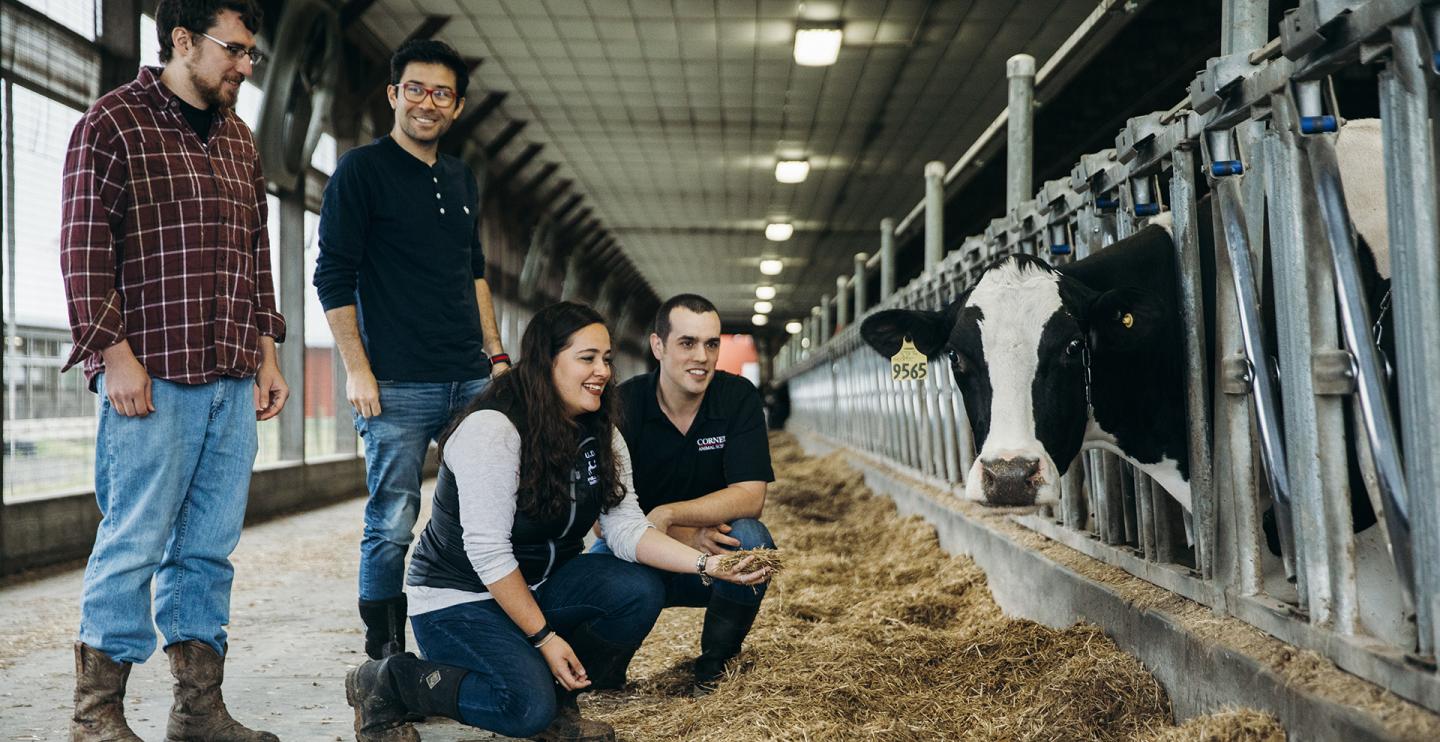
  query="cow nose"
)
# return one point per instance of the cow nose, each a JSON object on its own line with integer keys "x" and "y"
{"x": 1010, "y": 481}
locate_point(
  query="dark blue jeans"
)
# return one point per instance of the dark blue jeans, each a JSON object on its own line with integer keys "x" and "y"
{"x": 510, "y": 690}
{"x": 412, "y": 413}
{"x": 687, "y": 590}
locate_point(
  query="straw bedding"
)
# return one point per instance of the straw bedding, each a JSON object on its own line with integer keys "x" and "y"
{"x": 873, "y": 632}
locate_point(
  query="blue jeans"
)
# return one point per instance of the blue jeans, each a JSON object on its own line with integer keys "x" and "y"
{"x": 412, "y": 413}
{"x": 510, "y": 689}
{"x": 172, "y": 488}
{"x": 688, "y": 590}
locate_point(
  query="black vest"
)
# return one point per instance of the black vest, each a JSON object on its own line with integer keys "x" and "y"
{"x": 541, "y": 546}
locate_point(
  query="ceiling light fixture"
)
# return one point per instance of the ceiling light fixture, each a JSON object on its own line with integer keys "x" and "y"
{"x": 759, "y": 320}
{"x": 792, "y": 171}
{"x": 765, "y": 292}
{"x": 763, "y": 307}
{"x": 817, "y": 47}
{"x": 779, "y": 231}
{"x": 771, "y": 267}
{"x": 793, "y": 327}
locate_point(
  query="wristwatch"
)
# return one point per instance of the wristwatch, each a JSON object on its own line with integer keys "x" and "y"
{"x": 700, "y": 563}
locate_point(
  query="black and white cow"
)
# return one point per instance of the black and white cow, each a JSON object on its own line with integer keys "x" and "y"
{"x": 1053, "y": 360}
{"x": 1019, "y": 342}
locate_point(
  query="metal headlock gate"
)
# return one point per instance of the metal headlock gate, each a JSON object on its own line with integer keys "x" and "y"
{"x": 1260, "y": 127}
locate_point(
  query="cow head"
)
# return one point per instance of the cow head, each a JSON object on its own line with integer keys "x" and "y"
{"x": 1019, "y": 343}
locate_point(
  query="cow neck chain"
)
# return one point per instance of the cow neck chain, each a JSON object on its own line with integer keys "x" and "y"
{"x": 1377, "y": 330}
{"x": 1085, "y": 361}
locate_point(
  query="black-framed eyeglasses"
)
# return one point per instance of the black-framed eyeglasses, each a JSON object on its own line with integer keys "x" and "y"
{"x": 236, "y": 51}
{"x": 416, "y": 93}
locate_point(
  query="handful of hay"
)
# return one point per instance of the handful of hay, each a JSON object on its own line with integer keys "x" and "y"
{"x": 764, "y": 559}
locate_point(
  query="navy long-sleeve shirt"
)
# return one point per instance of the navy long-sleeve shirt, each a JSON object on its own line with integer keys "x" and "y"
{"x": 399, "y": 240}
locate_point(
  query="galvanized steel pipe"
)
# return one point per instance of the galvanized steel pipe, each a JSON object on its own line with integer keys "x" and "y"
{"x": 1020, "y": 149}
{"x": 934, "y": 213}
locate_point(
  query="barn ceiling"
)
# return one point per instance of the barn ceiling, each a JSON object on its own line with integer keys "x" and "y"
{"x": 669, "y": 116}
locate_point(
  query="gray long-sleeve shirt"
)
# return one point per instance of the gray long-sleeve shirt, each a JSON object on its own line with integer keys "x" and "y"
{"x": 483, "y": 454}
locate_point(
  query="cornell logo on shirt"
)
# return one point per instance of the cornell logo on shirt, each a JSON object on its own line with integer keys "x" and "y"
{"x": 713, "y": 443}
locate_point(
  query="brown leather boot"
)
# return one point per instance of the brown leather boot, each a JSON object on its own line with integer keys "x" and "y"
{"x": 569, "y": 726}
{"x": 199, "y": 713}
{"x": 99, "y": 698}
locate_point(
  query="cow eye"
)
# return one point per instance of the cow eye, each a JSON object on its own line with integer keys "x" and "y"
{"x": 957, "y": 362}
{"x": 1074, "y": 348}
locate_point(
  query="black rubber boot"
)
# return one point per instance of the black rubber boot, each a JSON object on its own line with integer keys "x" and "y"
{"x": 605, "y": 661}
{"x": 726, "y": 625}
{"x": 384, "y": 626}
{"x": 386, "y": 692}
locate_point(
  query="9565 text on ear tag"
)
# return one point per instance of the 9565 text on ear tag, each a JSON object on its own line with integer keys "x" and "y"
{"x": 908, "y": 363}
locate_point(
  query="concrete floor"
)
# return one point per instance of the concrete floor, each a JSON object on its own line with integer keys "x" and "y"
{"x": 294, "y": 633}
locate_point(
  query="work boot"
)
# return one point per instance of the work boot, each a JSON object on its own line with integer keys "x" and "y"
{"x": 605, "y": 661}
{"x": 199, "y": 712}
{"x": 726, "y": 625}
{"x": 99, "y": 698}
{"x": 385, "y": 692}
{"x": 384, "y": 626}
{"x": 569, "y": 726}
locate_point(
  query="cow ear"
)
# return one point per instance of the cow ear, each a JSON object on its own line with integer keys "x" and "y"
{"x": 885, "y": 331}
{"x": 1124, "y": 320}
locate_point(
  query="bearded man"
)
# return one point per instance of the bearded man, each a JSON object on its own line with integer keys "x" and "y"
{"x": 172, "y": 309}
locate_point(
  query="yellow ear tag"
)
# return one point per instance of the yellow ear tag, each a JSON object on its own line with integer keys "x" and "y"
{"x": 908, "y": 364}
{"x": 1128, "y": 320}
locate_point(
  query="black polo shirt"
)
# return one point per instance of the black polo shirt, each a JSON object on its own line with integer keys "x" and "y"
{"x": 726, "y": 444}
{"x": 399, "y": 240}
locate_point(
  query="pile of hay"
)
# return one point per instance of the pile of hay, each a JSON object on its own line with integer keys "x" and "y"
{"x": 875, "y": 633}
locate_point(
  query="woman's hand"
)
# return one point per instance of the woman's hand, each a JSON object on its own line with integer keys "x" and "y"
{"x": 744, "y": 572}
{"x": 564, "y": 665}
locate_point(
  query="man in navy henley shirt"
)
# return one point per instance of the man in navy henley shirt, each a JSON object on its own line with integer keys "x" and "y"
{"x": 401, "y": 276}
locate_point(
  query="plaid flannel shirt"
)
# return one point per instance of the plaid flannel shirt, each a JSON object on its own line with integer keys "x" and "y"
{"x": 163, "y": 240}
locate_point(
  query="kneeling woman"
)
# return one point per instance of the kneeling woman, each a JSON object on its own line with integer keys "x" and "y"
{"x": 513, "y": 620}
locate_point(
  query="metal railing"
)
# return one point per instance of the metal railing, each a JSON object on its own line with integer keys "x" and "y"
{"x": 1294, "y": 398}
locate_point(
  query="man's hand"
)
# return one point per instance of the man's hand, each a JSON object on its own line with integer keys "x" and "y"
{"x": 713, "y": 539}
{"x": 662, "y": 516}
{"x": 127, "y": 383}
{"x": 363, "y": 393}
{"x": 498, "y": 368}
{"x": 271, "y": 391}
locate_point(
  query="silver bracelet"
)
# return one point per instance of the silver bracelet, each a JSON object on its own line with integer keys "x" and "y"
{"x": 546, "y": 640}
{"x": 700, "y": 563}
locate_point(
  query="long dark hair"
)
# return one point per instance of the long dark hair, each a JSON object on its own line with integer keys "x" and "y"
{"x": 548, "y": 436}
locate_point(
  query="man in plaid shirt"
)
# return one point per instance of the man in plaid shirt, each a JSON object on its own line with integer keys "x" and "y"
{"x": 167, "y": 272}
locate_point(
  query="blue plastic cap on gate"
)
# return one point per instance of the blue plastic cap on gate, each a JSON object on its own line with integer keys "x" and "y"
{"x": 1317, "y": 124}
{"x": 1147, "y": 209}
{"x": 1226, "y": 167}
{"x": 1437, "y": 60}
{"x": 1107, "y": 203}
{"x": 1060, "y": 249}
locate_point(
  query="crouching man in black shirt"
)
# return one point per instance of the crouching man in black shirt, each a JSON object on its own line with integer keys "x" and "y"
{"x": 702, "y": 462}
